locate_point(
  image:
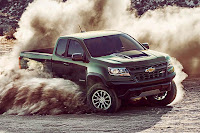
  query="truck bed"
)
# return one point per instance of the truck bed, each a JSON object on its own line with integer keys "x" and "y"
{"x": 47, "y": 50}
{"x": 43, "y": 56}
{"x": 40, "y": 54}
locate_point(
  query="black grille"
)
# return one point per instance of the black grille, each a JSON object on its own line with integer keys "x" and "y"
{"x": 138, "y": 72}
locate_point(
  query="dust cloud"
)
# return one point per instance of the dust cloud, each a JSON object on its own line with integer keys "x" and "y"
{"x": 25, "y": 92}
{"x": 172, "y": 30}
{"x": 178, "y": 80}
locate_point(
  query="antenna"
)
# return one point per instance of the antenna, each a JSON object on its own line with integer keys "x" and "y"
{"x": 81, "y": 29}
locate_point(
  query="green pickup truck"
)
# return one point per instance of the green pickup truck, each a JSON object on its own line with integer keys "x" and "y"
{"x": 110, "y": 67}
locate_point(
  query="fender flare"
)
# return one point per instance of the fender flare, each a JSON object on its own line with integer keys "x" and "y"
{"x": 96, "y": 75}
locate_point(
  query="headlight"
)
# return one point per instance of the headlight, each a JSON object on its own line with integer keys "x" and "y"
{"x": 170, "y": 67}
{"x": 118, "y": 71}
{"x": 169, "y": 64}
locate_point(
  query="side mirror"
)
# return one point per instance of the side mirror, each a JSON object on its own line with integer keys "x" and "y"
{"x": 146, "y": 45}
{"x": 77, "y": 57}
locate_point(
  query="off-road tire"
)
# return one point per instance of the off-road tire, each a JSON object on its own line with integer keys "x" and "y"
{"x": 108, "y": 96}
{"x": 170, "y": 96}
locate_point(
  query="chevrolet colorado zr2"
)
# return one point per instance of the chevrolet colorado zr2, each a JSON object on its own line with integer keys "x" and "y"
{"x": 110, "y": 67}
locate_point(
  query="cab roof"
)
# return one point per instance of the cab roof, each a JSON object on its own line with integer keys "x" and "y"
{"x": 93, "y": 34}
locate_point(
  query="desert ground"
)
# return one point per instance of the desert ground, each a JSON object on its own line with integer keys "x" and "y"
{"x": 181, "y": 117}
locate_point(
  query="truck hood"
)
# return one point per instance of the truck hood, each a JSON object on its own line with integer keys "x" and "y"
{"x": 131, "y": 57}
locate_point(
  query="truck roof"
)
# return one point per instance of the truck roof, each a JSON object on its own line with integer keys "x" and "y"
{"x": 93, "y": 34}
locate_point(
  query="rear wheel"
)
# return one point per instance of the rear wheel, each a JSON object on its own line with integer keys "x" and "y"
{"x": 102, "y": 99}
{"x": 164, "y": 98}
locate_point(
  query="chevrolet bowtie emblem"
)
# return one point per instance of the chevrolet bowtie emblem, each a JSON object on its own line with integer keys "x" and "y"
{"x": 150, "y": 69}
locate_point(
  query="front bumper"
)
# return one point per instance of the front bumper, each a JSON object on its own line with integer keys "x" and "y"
{"x": 131, "y": 89}
{"x": 146, "y": 91}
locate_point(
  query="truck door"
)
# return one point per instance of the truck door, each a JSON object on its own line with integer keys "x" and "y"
{"x": 63, "y": 65}
{"x": 60, "y": 66}
{"x": 78, "y": 68}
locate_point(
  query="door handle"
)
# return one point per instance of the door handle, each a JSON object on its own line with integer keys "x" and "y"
{"x": 66, "y": 64}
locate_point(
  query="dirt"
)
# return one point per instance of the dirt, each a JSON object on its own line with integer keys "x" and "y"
{"x": 5, "y": 45}
{"x": 181, "y": 117}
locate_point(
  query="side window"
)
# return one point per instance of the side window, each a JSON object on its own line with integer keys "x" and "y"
{"x": 74, "y": 47}
{"x": 61, "y": 47}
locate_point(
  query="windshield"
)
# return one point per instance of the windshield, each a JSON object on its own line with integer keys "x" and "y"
{"x": 106, "y": 45}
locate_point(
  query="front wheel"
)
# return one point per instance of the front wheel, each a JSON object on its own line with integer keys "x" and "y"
{"x": 164, "y": 98}
{"x": 102, "y": 99}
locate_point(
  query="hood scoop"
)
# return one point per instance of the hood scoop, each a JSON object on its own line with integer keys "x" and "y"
{"x": 138, "y": 55}
{"x": 121, "y": 55}
{"x": 130, "y": 54}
